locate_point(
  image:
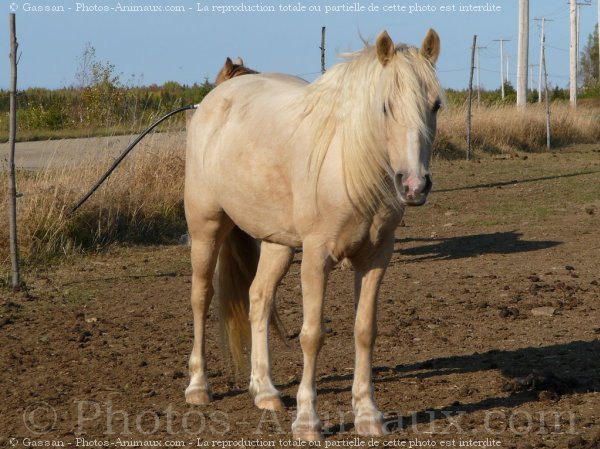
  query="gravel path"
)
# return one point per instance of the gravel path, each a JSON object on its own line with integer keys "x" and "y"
{"x": 56, "y": 153}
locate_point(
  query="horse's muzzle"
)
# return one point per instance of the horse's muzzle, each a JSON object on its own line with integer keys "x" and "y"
{"x": 413, "y": 190}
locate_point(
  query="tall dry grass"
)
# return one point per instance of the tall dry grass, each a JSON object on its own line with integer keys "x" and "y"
{"x": 501, "y": 129}
{"x": 142, "y": 202}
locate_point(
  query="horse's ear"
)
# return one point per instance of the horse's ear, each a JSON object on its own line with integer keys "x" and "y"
{"x": 430, "y": 48}
{"x": 239, "y": 61}
{"x": 385, "y": 48}
{"x": 228, "y": 65}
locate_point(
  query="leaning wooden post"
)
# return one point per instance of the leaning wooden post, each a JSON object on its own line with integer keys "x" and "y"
{"x": 548, "y": 139}
{"x": 469, "y": 105}
{"x": 12, "y": 189}
{"x": 322, "y": 47}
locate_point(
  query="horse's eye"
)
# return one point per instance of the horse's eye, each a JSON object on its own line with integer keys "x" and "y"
{"x": 436, "y": 106}
{"x": 387, "y": 108}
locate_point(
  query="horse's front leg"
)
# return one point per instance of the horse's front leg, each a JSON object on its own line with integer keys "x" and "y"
{"x": 272, "y": 266}
{"x": 368, "y": 420}
{"x": 316, "y": 265}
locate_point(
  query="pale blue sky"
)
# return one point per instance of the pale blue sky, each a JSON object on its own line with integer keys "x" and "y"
{"x": 190, "y": 46}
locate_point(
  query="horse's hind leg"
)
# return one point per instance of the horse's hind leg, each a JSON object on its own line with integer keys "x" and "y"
{"x": 273, "y": 264}
{"x": 207, "y": 236}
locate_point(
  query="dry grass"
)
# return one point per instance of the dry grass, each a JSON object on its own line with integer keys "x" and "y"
{"x": 505, "y": 129}
{"x": 141, "y": 202}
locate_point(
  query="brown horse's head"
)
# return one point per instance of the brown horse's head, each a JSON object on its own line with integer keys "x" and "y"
{"x": 232, "y": 69}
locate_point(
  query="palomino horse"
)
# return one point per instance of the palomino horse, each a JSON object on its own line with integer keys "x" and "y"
{"x": 231, "y": 70}
{"x": 327, "y": 167}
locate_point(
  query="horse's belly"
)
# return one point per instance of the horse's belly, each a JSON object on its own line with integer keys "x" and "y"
{"x": 259, "y": 202}
{"x": 284, "y": 238}
{"x": 270, "y": 224}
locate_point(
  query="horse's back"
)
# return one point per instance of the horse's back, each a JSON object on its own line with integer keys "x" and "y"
{"x": 239, "y": 153}
{"x": 265, "y": 79}
{"x": 247, "y": 99}
{"x": 259, "y": 85}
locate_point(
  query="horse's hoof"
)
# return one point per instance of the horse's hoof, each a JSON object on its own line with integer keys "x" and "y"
{"x": 269, "y": 402}
{"x": 307, "y": 434}
{"x": 370, "y": 427}
{"x": 198, "y": 396}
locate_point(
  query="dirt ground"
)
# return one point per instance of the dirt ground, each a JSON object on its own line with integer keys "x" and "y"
{"x": 489, "y": 331}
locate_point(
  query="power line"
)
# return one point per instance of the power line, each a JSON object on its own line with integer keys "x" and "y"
{"x": 564, "y": 77}
{"x": 453, "y": 70}
{"x": 560, "y": 9}
{"x": 557, "y": 48}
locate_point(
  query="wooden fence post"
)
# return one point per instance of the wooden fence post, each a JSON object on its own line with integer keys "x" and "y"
{"x": 548, "y": 131}
{"x": 469, "y": 104}
{"x": 12, "y": 189}
{"x": 322, "y": 47}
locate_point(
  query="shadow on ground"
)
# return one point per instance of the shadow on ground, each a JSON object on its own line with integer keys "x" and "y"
{"x": 490, "y": 185}
{"x": 532, "y": 374}
{"x": 509, "y": 242}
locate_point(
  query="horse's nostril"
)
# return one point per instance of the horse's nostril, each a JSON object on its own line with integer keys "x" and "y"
{"x": 428, "y": 184}
{"x": 413, "y": 188}
{"x": 400, "y": 187}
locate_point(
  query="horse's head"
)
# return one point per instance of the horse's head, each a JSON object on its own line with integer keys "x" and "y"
{"x": 411, "y": 96}
{"x": 231, "y": 70}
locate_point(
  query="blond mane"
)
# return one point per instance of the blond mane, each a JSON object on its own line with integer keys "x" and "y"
{"x": 348, "y": 103}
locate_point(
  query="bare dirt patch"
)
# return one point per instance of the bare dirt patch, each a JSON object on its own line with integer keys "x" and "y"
{"x": 489, "y": 330}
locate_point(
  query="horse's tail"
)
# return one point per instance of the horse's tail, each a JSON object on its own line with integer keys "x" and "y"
{"x": 236, "y": 269}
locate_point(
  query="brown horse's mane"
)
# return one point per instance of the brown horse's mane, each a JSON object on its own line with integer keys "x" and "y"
{"x": 232, "y": 69}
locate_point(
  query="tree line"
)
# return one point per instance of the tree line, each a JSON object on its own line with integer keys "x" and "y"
{"x": 100, "y": 100}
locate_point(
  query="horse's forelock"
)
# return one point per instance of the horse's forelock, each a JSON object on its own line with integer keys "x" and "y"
{"x": 350, "y": 99}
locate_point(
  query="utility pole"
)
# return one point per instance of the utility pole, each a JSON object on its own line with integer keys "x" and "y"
{"x": 578, "y": 30}
{"x": 542, "y": 53}
{"x": 507, "y": 78}
{"x": 478, "y": 78}
{"x": 502, "y": 62}
{"x": 531, "y": 67}
{"x": 574, "y": 48}
{"x": 579, "y": 5}
{"x": 523, "y": 56}
{"x": 573, "y": 54}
